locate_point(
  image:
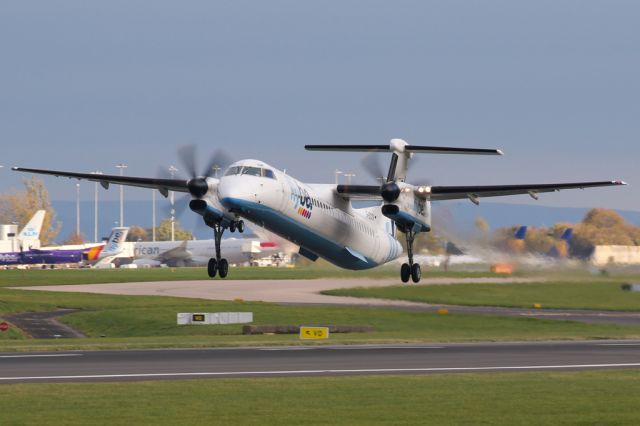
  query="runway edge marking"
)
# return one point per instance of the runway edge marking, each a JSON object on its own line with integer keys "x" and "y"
{"x": 324, "y": 371}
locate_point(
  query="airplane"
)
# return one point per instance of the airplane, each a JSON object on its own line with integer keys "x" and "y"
{"x": 320, "y": 218}
{"x": 29, "y": 236}
{"x": 60, "y": 255}
{"x": 99, "y": 256}
{"x": 198, "y": 252}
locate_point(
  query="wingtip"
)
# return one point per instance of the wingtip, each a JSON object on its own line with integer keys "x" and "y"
{"x": 619, "y": 182}
{"x": 500, "y": 152}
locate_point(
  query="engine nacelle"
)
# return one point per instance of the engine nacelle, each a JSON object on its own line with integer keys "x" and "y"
{"x": 408, "y": 211}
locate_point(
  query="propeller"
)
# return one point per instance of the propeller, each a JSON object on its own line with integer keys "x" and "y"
{"x": 197, "y": 183}
{"x": 389, "y": 189}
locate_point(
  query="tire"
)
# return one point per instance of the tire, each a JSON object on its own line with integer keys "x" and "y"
{"x": 416, "y": 274}
{"x": 241, "y": 226}
{"x": 232, "y": 227}
{"x": 405, "y": 272}
{"x": 223, "y": 268}
{"x": 212, "y": 268}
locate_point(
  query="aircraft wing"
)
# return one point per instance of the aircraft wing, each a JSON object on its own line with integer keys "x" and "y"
{"x": 177, "y": 253}
{"x": 162, "y": 185}
{"x": 437, "y": 193}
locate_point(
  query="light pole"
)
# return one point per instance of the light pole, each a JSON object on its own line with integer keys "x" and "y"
{"x": 337, "y": 172}
{"x": 153, "y": 215}
{"x": 173, "y": 170}
{"x": 349, "y": 176}
{"x": 95, "y": 208}
{"x": 121, "y": 166}
{"x": 77, "y": 210}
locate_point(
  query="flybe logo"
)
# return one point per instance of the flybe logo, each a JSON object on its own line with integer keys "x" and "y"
{"x": 115, "y": 242}
{"x": 8, "y": 258}
{"x": 301, "y": 200}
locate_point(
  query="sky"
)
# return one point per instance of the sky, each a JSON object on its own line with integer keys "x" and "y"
{"x": 554, "y": 84}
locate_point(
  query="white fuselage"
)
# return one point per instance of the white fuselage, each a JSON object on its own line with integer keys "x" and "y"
{"x": 311, "y": 216}
{"x": 197, "y": 252}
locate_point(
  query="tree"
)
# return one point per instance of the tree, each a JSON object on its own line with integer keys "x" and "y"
{"x": 74, "y": 239}
{"x": 138, "y": 233}
{"x": 19, "y": 207}
{"x": 482, "y": 228}
{"x": 602, "y": 227}
{"x": 163, "y": 232}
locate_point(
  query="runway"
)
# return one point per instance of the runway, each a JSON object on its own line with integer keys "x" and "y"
{"x": 165, "y": 364}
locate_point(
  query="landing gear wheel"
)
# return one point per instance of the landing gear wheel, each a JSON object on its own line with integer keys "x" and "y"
{"x": 405, "y": 272}
{"x": 415, "y": 273}
{"x": 240, "y": 226}
{"x": 223, "y": 268}
{"x": 232, "y": 227}
{"x": 212, "y": 268}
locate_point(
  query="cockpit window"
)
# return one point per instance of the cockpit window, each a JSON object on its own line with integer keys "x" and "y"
{"x": 268, "y": 173}
{"x": 251, "y": 171}
{"x": 233, "y": 171}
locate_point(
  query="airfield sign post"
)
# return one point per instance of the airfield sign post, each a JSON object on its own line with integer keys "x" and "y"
{"x": 314, "y": 332}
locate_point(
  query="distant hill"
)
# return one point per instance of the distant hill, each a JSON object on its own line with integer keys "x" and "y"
{"x": 457, "y": 215}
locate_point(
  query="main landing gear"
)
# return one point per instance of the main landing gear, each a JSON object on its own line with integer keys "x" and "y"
{"x": 410, "y": 270}
{"x": 219, "y": 265}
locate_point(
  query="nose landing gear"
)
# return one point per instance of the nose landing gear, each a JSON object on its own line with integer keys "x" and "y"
{"x": 217, "y": 265}
{"x": 410, "y": 270}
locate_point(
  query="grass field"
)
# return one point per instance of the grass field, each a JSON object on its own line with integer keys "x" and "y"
{"x": 565, "y": 398}
{"x": 147, "y": 321}
{"x": 569, "y": 295}
{"x": 16, "y": 277}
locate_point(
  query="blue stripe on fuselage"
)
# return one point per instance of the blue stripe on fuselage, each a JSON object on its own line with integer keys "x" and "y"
{"x": 298, "y": 233}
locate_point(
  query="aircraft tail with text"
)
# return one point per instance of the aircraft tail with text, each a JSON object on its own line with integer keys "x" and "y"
{"x": 31, "y": 230}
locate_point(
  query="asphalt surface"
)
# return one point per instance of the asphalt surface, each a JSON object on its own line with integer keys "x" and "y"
{"x": 44, "y": 325}
{"x": 168, "y": 364}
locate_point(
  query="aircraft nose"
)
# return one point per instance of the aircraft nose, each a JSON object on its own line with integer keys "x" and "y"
{"x": 234, "y": 196}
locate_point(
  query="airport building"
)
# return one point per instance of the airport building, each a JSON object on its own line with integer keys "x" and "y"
{"x": 615, "y": 255}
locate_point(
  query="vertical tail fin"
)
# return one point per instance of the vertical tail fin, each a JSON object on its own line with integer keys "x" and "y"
{"x": 520, "y": 233}
{"x": 115, "y": 244}
{"x": 31, "y": 230}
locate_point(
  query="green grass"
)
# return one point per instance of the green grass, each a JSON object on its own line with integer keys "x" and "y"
{"x": 94, "y": 276}
{"x": 557, "y": 398}
{"x": 562, "y": 295}
{"x": 11, "y": 334}
{"x": 146, "y": 321}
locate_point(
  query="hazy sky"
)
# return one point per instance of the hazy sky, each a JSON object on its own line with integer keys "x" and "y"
{"x": 555, "y": 84}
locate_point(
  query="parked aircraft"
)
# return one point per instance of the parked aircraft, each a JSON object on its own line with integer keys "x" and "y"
{"x": 60, "y": 255}
{"x": 198, "y": 252}
{"x": 28, "y": 238}
{"x": 320, "y": 217}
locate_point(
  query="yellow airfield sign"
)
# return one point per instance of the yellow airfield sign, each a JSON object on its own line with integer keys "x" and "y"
{"x": 314, "y": 332}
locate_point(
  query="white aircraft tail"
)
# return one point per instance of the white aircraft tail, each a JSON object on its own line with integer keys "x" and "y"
{"x": 31, "y": 230}
{"x": 115, "y": 244}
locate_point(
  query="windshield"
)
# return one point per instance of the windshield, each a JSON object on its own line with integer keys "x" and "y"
{"x": 251, "y": 171}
